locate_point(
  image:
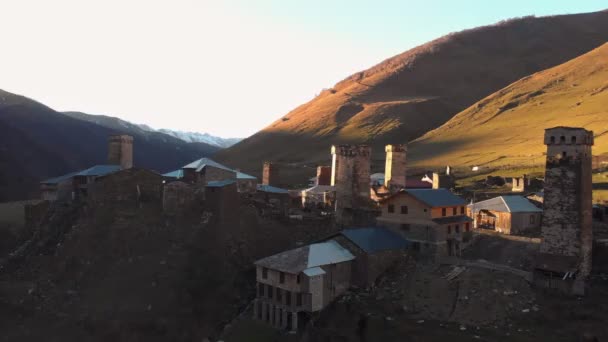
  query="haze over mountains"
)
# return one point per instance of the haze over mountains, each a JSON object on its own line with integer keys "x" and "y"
{"x": 37, "y": 142}
{"x": 410, "y": 94}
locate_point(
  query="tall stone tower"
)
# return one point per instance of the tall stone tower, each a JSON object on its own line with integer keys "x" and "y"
{"x": 120, "y": 150}
{"x": 323, "y": 175}
{"x": 395, "y": 169}
{"x": 270, "y": 174}
{"x": 350, "y": 176}
{"x": 567, "y": 234}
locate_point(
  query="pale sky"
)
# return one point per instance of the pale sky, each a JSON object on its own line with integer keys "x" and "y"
{"x": 228, "y": 68}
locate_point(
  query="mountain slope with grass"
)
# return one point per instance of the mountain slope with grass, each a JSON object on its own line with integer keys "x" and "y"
{"x": 407, "y": 95}
{"x": 507, "y": 127}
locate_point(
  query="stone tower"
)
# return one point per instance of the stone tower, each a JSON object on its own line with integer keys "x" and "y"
{"x": 519, "y": 184}
{"x": 270, "y": 174}
{"x": 395, "y": 169}
{"x": 120, "y": 151}
{"x": 567, "y": 233}
{"x": 323, "y": 175}
{"x": 350, "y": 176}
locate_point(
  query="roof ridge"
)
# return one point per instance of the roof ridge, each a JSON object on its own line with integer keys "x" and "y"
{"x": 505, "y": 202}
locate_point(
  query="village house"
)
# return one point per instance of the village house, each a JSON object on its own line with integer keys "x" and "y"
{"x": 319, "y": 196}
{"x": 376, "y": 249}
{"x": 278, "y": 199}
{"x": 506, "y": 214}
{"x": 129, "y": 186}
{"x": 433, "y": 220}
{"x": 294, "y": 284}
{"x": 206, "y": 170}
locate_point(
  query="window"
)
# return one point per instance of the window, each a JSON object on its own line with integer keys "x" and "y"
{"x": 269, "y": 291}
{"x": 298, "y": 278}
{"x": 405, "y": 227}
{"x": 264, "y": 273}
{"x": 562, "y": 139}
{"x": 443, "y": 212}
{"x": 553, "y": 140}
{"x": 279, "y": 295}
{"x": 260, "y": 290}
{"x": 466, "y": 226}
{"x": 449, "y": 229}
{"x": 299, "y": 299}
{"x": 532, "y": 219}
{"x": 404, "y": 209}
{"x": 287, "y": 298}
{"x": 391, "y": 208}
{"x": 573, "y": 140}
{"x": 282, "y": 278}
{"x": 457, "y": 229}
{"x": 564, "y": 154}
{"x": 461, "y": 210}
{"x": 425, "y": 210}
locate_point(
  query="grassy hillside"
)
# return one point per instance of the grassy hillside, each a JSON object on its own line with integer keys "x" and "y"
{"x": 507, "y": 127}
{"x": 407, "y": 95}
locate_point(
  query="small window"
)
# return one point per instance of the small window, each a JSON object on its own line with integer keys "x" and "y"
{"x": 449, "y": 229}
{"x": 405, "y": 227}
{"x": 282, "y": 278}
{"x": 573, "y": 140}
{"x": 553, "y": 140}
{"x": 425, "y": 210}
{"x": 404, "y": 209}
{"x": 299, "y": 299}
{"x": 260, "y": 290}
{"x": 298, "y": 278}
{"x": 391, "y": 208}
{"x": 532, "y": 219}
{"x": 443, "y": 212}
{"x": 287, "y": 298}
{"x": 564, "y": 154}
{"x": 454, "y": 211}
{"x": 279, "y": 295}
{"x": 270, "y": 290}
{"x": 461, "y": 210}
{"x": 562, "y": 139}
{"x": 264, "y": 273}
{"x": 457, "y": 229}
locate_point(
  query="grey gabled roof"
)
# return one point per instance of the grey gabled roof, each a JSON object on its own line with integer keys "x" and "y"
{"x": 507, "y": 204}
{"x": 201, "y": 163}
{"x": 375, "y": 239}
{"x": 435, "y": 197}
{"x": 271, "y": 189}
{"x": 94, "y": 171}
{"x": 297, "y": 260}
{"x": 57, "y": 180}
{"x": 220, "y": 184}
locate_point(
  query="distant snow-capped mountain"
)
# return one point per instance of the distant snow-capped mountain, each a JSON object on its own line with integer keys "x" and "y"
{"x": 201, "y": 137}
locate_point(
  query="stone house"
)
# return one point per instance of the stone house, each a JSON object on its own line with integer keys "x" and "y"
{"x": 323, "y": 196}
{"x": 73, "y": 186}
{"x": 294, "y": 284}
{"x": 506, "y": 214}
{"x": 279, "y": 199}
{"x": 222, "y": 199}
{"x": 206, "y": 170}
{"x": 433, "y": 220}
{"x": 178, "y": 197}
{"x": 376, "y": 249}
{"x": 129, "y": 186}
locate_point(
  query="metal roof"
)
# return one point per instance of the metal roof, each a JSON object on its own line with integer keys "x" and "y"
{"x": 94, "y": 171}
{"x": 320, "y": 189}
{"x": 435, "y": 197}
{"x": 507, "y": 204}
{"x": 272, "y": 189}
{"x": 201, "y": 163}
{"x": 314, "y": 271}
{"x": 375, "y": 239}
{"x": 99, "y": 170}
{"x": 297, "y": 260}
{"x": 220, "y": 184}
{"x": 241, "y": 175}
{"x": 175, "y": 174}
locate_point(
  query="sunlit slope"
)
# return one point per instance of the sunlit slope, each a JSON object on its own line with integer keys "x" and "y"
{"x": 407, "y": 95}
{"x": 507, "y": 127}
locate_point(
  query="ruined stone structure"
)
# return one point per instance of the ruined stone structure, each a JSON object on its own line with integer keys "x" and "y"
{"x": 120, "y": 151}
{"x": 323, "y": 175}
{"x": 565, "y": 255}
{"x": 270, "y": 174}
{"x": 395, "y": 169}
{"x": 350, "y": 175}
{"x": 520, "y": 183}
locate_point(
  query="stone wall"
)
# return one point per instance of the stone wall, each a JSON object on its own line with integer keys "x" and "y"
{"x": 323, "y": 175}
{"x": 178, "y": 198}
{"x": 395, "y": 167}
{"x": 129, "y": 187}
{"x": 350, "y": 176}
{"x": 271, "y": 174}
{"x": 120, "y": 151}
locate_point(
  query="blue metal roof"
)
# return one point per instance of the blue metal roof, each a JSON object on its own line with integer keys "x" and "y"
{"x": 268, "y": 188}
{"x": 507, "y": 204}
{"x": 313, "y": 271}
{"x": 219, "y": 184}
{"x": 375, "y": 239}
{"x": 436, "y": 197}
{"x": 177, "y": 174}
{"x": 95, "y": 171}
{"x": 240, "y": 175}
{"x": 99, "y": 170}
